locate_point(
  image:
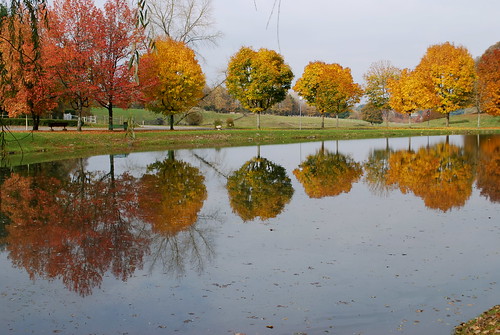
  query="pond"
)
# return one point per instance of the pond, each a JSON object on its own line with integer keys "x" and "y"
{"x": 381, "y": 236}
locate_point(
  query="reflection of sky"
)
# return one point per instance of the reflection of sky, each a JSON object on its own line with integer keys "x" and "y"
{"x": 352, "y": 262}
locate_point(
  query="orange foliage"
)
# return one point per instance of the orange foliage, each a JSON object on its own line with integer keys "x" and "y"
{"x": 74, "y": 230}
{"x": 488, "y": 69}
{"x": 488, "y": 172}
{"x": 171, "y": 197}
{"x": 440, "y": 175}
{"x": 327, "y": 174}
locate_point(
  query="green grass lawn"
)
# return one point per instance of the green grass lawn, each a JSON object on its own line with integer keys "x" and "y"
{"x": 268, "y": 121}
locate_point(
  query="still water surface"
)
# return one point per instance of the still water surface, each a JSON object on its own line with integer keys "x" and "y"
{"x": 397, "y": 236}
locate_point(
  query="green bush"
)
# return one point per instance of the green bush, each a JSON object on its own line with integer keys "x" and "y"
{"x": 230, "y": 122}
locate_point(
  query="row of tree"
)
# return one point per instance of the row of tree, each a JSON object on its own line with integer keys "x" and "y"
{"x": 81, "y": 54}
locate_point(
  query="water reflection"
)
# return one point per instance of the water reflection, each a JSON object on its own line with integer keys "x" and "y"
{"x": 376, "y": 168}
{"x": 172, "y": 193}
{"x": 488, "y": 172}
{"x": 441, "y": 175}
{"x": 74, "y": 229}
{"x": 327, "y": 174}
{"x": 259, "y": 188}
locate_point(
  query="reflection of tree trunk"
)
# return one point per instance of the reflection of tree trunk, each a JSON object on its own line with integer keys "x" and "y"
{"x": 258, "y": 151}
{"x": 387, "y": 143}
{"x": 409, "y": 143}
{"x": 171, "y": 155}
{"x": 112, "y": 168}
{"x": 337, "y": 146}
{"x": 447, "y": 139}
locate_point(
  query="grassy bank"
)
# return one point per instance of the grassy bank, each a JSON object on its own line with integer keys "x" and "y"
{"x": 25, "y": 147}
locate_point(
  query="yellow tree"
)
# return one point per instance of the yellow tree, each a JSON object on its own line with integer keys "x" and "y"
{"x": 328, "y": 87}
{"x": 448, "y": 75}
{"x": 172, "y": 194}
{"x": 377, "y": 80}
{"x": 171, "y": 79}
{"x": 488, "y": 70}
{"x": 258, "y": 79}
{"x": 328, "y": 174}
{"x": 405, "y": 93}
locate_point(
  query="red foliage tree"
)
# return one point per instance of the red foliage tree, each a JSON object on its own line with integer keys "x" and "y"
{"x": 113, "y": 78}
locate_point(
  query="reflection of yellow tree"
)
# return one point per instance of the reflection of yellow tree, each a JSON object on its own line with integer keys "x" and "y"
{"x": 259, "y": 188}
{"x": 440, "y": 175}
{"x": 488, "y": 172}
{"x": 72, "y": 230}
{"x": 172, "y": 195}
{"x": 327, "y": 174}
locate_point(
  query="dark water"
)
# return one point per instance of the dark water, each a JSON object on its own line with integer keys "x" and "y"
{"x": 397, "y": 236}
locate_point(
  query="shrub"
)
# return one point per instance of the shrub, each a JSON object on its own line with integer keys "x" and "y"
{"x": 194, "y": 118}
{"x": 230, "y": 122}
{"x": 217, "y": 123}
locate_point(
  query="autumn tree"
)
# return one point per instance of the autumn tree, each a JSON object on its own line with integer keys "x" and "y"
{"x": 327, "y": 174}
{"x": 328, "y": 87}
{"x": 370, "y": 113}
{"x": 259, "y": 188}
{"x": 488, "y": 71}
{"x": 258, "y": 79}
{"x": 447, "y": 74}
{"x": 172, "y": 193}
{"x": 72, "y": 41}
{"x": 28, "y": 85}
{"x": 171, "y": 79}
{"x": 118, "y": 39}
{"x": 441, "y": 175}
{"x": 377, "y": 85}
{"x": 405, "y": 93}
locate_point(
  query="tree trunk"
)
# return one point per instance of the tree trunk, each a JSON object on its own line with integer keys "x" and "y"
{"x": 409, "y": 120}
{"x": 110, "y": 115}
{"x": 171, "y": 121}
{"x": 337, "y": 117}
{"x": 386, "y": 118}
{"x": 322, "y": 120}
{"x": 447, "y": 119}
{"x": 36, "y": 121}
{"x": 258, "y": 120}
{"x": 478, "y": 117}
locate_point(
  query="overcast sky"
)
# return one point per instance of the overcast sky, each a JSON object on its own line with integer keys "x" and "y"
{"x": 353, "y": 33}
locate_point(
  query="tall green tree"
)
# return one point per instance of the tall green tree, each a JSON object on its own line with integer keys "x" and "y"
{"x": 258, "y": 79}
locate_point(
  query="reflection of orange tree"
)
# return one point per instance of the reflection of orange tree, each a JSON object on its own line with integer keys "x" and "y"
{"x": 74, "y": 231}
{"x": 326, "y": 174}
{"x": 440, "y": 175}
{"x": 171, "y": 195}
{"x": 259, "y": 188}
{"x": 488, "y": 173}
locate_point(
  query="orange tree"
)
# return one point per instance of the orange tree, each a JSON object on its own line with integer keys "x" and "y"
{"x": 171, "y": 79}
{"x": 171, "y": 195}
{"x": 327, "y": 174}
{"x": 28, "y": 85}
{"x": 405, "y": 93}
{"x": 447, "y": 74}
{"x": 488, "y": 70}
{"x": 328, "y": 87}
{"x": 258, "y": 79}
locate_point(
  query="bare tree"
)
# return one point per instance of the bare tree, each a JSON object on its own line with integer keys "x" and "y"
{"x": 188, "y": 21}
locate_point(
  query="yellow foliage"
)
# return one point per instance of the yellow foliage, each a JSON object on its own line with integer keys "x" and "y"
{"x": 489, "y": 81}
{"x": 171, "y": 78}
{"x": 447, "y": 74}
